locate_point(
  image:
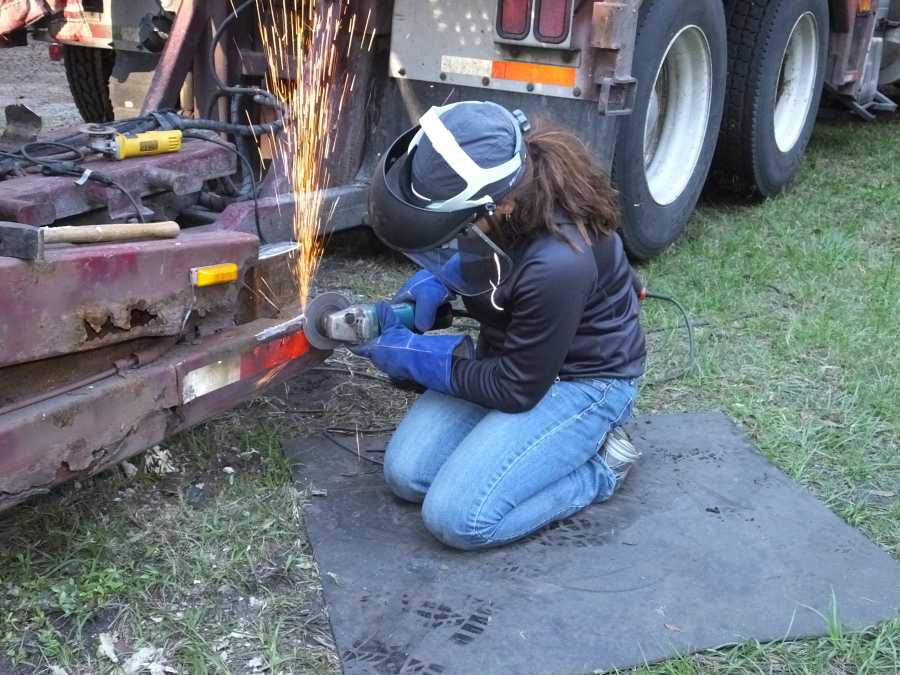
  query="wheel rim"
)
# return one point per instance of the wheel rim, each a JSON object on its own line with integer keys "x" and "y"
{"x": 796, "y": 82}
{"x": 678, "y": 115}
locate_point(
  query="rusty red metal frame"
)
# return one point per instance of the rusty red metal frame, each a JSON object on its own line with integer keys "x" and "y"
{"x": 93, "y": 427}
{"x": 84, "y": 298}
{"x": 849, "y": 47}
{"x": 177, "y": 56}
{"x": 90, "y": 372}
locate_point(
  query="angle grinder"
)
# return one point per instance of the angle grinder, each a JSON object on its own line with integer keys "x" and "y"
{"x": 107, "y": 140}
{"x": 332, "y": 321}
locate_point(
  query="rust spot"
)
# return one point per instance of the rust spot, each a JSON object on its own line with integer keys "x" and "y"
{"x": 98, "y": 327}
{"x": 63, "y": 418}
{"x": 64, "y": 472}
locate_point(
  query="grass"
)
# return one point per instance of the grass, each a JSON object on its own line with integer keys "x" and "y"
{"x": 799, "y": 300}
{"x": 204, "y": 564}
{"x": 797, "y": 305}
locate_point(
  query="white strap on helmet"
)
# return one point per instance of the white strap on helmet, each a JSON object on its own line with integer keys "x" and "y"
{"x": 476, "y": 177}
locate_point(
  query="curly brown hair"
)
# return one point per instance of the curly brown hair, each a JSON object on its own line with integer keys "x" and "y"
{"x": 561, "y": 175}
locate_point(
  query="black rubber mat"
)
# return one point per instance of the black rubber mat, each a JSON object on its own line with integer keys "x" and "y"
{"x": 708, "y": 544}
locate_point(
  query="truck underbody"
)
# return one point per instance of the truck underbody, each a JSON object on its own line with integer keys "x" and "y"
{"x": 108, "y": 349}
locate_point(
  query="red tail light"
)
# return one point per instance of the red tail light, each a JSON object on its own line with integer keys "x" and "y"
{"x": 513, "y": 18}
{"x": 552, "y": 22}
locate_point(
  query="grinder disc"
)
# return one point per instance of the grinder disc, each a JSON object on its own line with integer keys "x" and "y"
{"x": 319, "y": 307}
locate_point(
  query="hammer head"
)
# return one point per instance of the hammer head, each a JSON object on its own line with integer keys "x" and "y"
{"x": 21, "y": 241}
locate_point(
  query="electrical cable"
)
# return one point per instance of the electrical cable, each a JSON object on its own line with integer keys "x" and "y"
{"x": 369, "y": 430}
{"x": 249, "y": 168}
{"x": 351, "y": 373}
{"x": 47, "y": 160}
{"x": 692, "y": 347}
{"x": 137, "y": 208}
{"x": 240, "y": 132}
{"x": 331, "y": 436}
{"x": 211, "y": 55}
{"x": 68, "y": 164}
{"x": 170, "y": 120}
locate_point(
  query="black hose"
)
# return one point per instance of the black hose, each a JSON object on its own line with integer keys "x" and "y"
{"x": 106, "y": 180}
{"x": 211, "y": 55}
{"x": 171, "y": 120}
{"x": 249, "y": 169}
{"x": 692, "y": 347}
{"x": 70, "y": 153}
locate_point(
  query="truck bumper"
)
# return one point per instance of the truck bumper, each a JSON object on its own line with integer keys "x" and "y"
{"x": 85, "y": 430}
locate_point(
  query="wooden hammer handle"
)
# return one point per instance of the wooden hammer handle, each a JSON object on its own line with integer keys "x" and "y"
{"x": 89, "y": 234}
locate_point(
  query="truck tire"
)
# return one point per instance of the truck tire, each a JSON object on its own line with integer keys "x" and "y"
{"x": 778, "y": 51}
{"x": 88, "y": 70}
{"x": 665, "y": 148}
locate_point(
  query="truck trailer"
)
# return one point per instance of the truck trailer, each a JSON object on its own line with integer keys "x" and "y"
{"x": 108, "y": 348}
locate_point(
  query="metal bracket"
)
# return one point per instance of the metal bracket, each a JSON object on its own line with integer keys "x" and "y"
{"x": 614, "y": 26}
{"x": 617, "y": 96}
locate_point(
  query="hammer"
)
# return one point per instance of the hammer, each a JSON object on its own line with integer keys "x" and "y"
{"x": 27, "y": 241}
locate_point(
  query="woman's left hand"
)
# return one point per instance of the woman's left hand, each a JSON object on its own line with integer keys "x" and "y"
{"x": 427, "y": 293}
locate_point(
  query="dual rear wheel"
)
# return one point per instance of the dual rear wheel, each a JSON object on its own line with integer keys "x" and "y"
{"x": 730, "y": 88}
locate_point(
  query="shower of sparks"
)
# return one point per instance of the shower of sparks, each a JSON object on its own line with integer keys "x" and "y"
{"x": 304, "y": 48}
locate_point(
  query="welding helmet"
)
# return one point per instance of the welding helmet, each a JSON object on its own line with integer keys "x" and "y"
{"x": 439, "y": 178}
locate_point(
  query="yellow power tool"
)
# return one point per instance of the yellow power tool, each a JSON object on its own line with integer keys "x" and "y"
{"x": 111, "y": 143}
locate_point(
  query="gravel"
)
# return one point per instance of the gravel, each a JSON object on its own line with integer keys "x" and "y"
{"x": 29, "y": 77}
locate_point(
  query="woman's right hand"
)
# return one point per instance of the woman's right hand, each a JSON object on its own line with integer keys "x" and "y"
{"x": 427, "y": 293}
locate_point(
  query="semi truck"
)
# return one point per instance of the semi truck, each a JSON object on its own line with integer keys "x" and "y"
{"x": 109, "y": 348}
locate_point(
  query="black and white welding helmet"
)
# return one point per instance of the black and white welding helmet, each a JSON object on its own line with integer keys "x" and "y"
{"x": 442, "y": 176}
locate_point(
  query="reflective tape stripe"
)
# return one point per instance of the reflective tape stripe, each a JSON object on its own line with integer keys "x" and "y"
{"x": 253, "y": 364}
{"x": 210, "y": 377}
{"x": 536, "y": 73}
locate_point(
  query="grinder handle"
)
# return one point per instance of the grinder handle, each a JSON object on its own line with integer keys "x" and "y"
{"x": 444, "y": 318}
{"x": 406, "y": 313}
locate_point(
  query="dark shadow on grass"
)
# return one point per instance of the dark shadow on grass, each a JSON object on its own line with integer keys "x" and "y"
{"x": 360, "y": 242}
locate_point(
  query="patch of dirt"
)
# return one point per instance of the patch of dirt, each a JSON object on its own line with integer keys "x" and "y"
{"x": 30, "y": 78}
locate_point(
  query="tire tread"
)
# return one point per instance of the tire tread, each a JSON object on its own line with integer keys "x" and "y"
{"x": 88, "y": 71}
{"x": 736, "y": 152}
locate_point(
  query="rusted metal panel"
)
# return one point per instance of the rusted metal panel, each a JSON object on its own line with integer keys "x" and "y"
{"x": 37, "y": 378}
{"x": 80, "y": 433}
{"x": 177, "y": 56}
{"x": 272, "y": 283}
{"x": 615, "y": 29}
{"x": 848, "y": 50}
{"x": 345, "y": 206}
{"x": 82, "y": 298}
{"x": 89, "y": 429}
{"x": 842, "y": 12}
{"x": 613, "y": 37}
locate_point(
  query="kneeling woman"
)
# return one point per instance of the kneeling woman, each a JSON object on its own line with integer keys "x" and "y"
{"x": 521, "y": 223}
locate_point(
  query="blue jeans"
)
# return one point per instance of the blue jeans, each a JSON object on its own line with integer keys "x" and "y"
{"x": 486, "y": 477}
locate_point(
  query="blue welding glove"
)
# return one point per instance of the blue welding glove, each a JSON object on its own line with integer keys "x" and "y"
{"x": 427, "y": 293}
{"x": 403, "y": 355}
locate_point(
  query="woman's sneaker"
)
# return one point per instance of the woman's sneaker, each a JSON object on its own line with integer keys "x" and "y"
{"x": 619, "y": 454}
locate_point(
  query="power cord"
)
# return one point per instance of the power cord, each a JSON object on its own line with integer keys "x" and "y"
{"x": 68, "y": 163}
{"x": 692, "y": 347}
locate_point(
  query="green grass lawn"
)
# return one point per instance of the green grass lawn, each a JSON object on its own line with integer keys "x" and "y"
{"x": 797, "y": 305}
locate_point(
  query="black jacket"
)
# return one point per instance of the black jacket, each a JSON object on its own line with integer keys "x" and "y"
{"x": 565, "y": 314}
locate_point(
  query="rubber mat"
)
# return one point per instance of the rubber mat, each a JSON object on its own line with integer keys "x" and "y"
{"x": 707, "y": 544}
